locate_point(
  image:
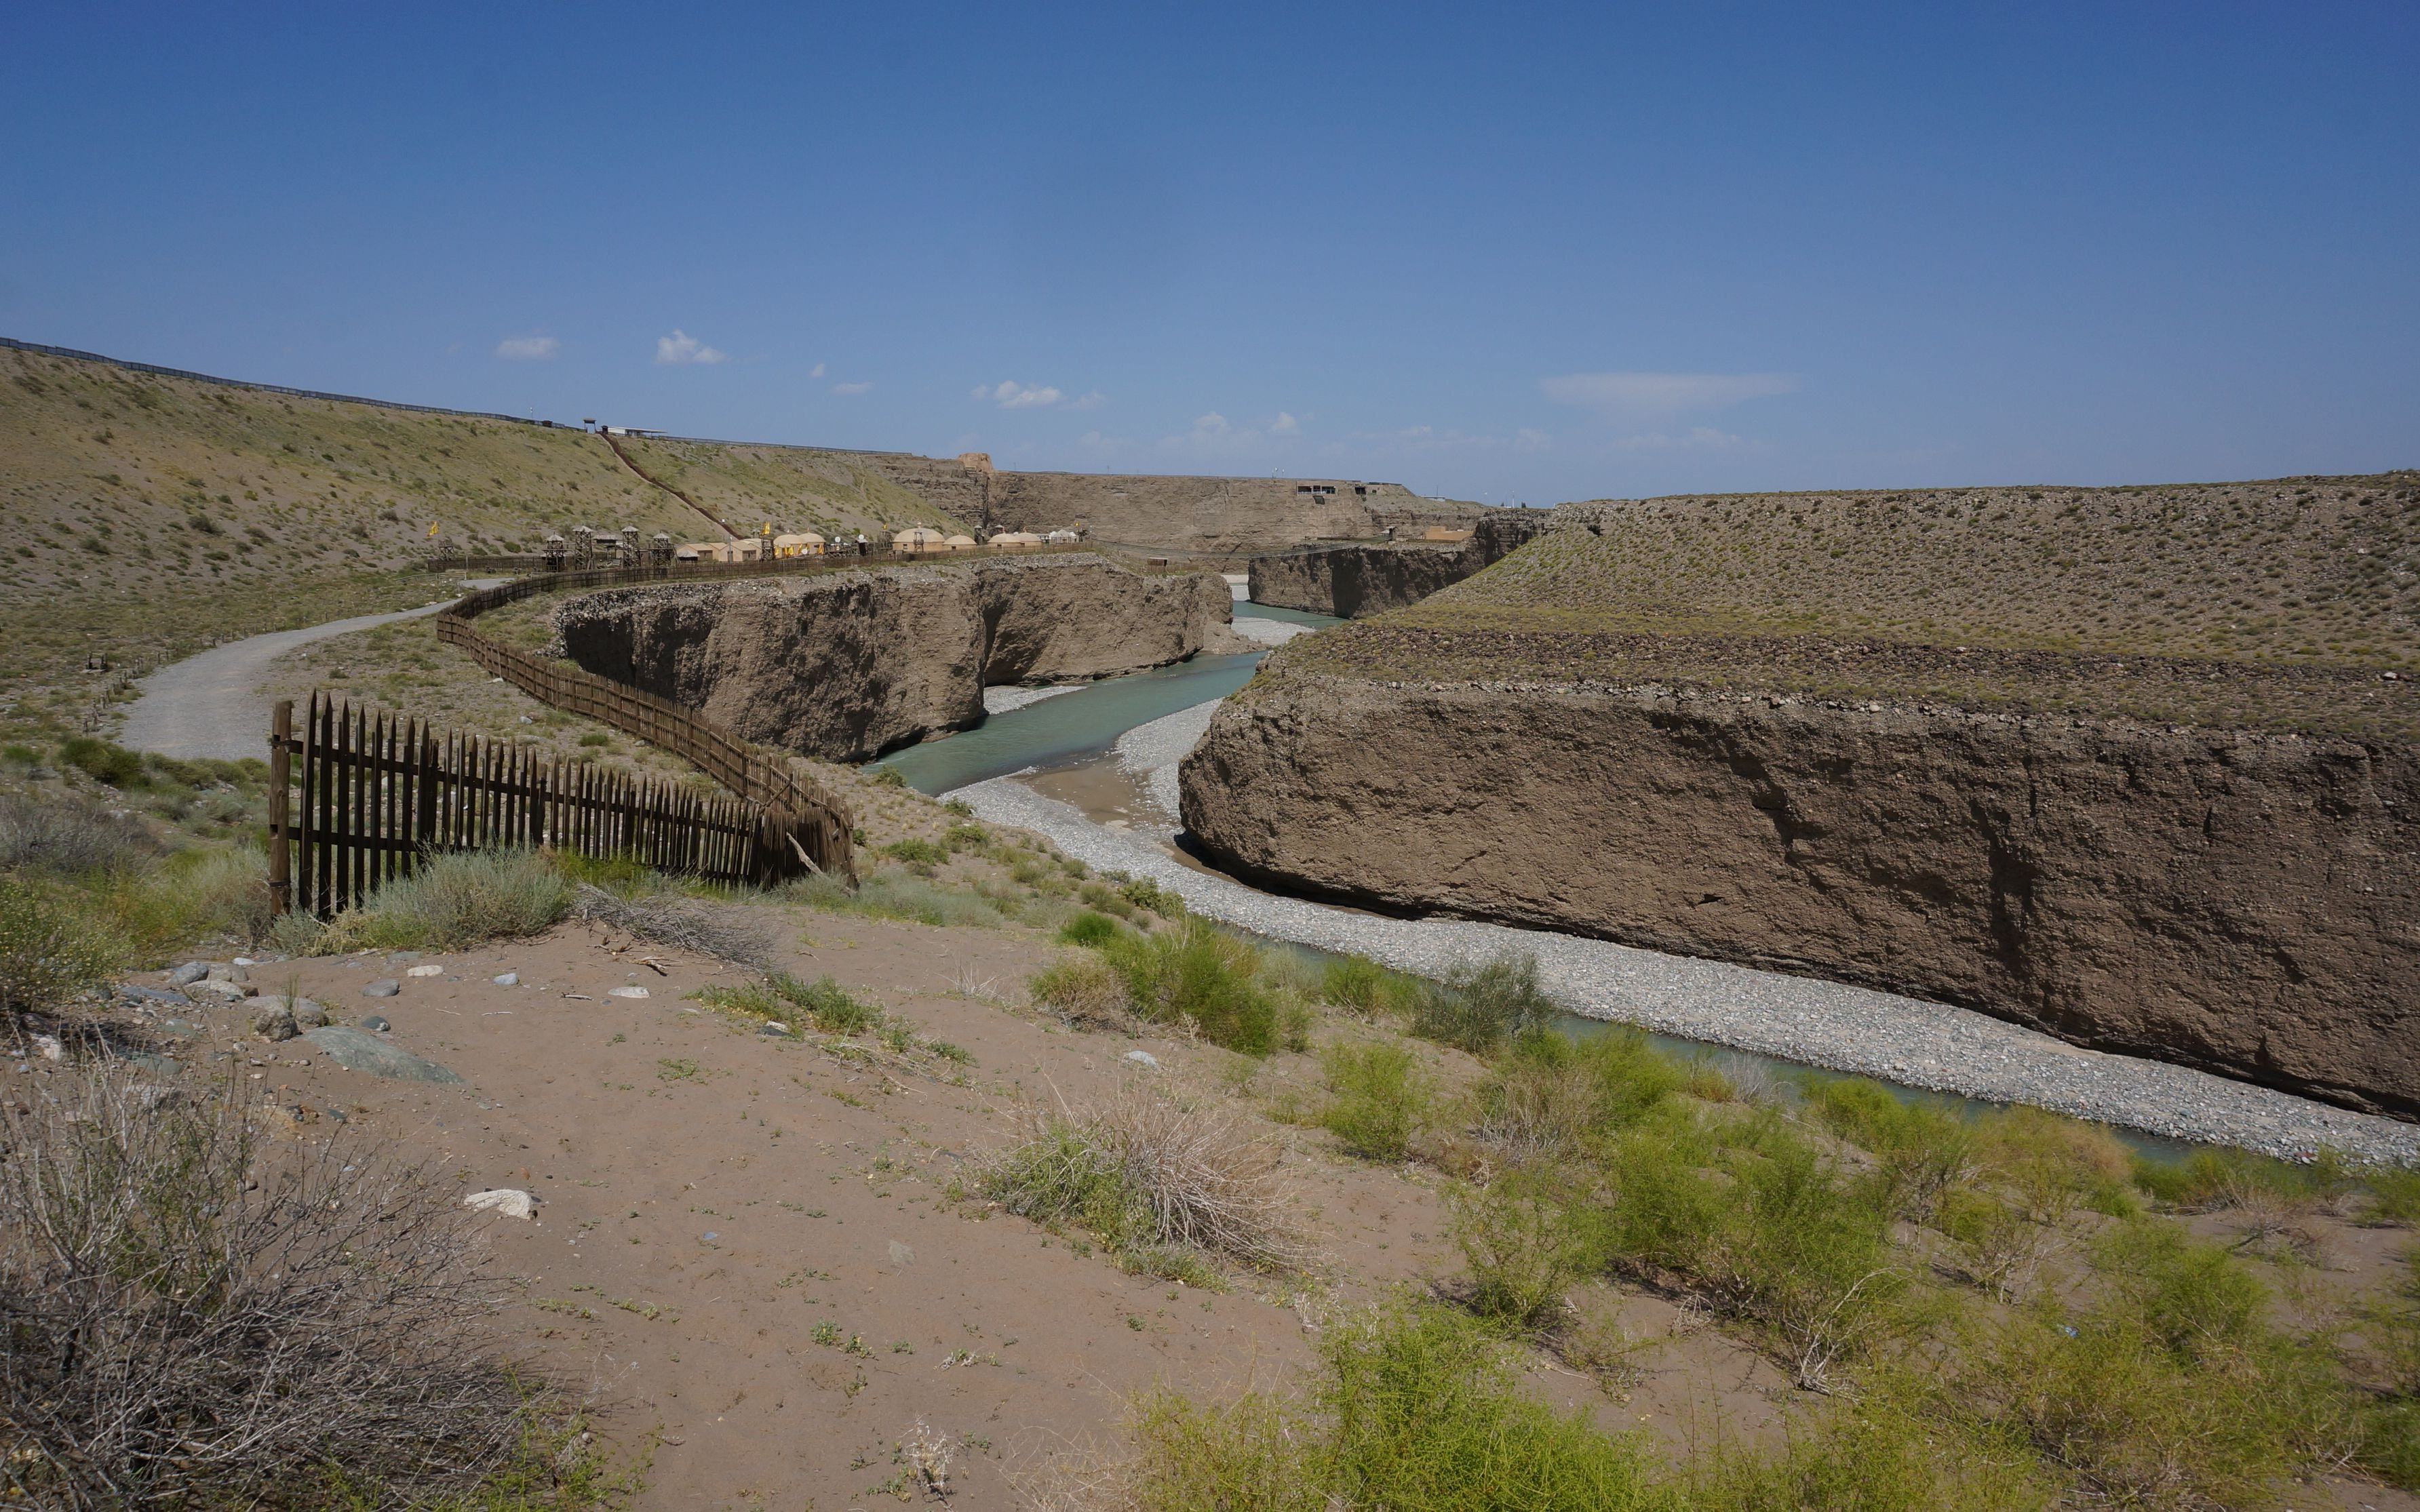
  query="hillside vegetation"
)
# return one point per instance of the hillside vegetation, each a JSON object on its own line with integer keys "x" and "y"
{"x": 2276, "y": 603}
{"x": 794, "y": 488}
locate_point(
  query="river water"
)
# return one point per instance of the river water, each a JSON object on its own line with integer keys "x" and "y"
{"x": 1064, "y": 730}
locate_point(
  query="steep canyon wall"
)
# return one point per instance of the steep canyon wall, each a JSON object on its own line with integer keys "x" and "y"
{"x": 848, "y": 666}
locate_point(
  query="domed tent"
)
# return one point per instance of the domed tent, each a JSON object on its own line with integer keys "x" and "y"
{"x": 1012, "y": 540}
{"x": 920, "y": 538}
{"x": 799, "y": 544}
{"x": 960, "y": 543}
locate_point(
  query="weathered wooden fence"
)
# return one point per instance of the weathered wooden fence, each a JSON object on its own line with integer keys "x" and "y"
{"x": 377, "y": 792}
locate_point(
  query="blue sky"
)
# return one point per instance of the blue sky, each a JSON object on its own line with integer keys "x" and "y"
{"x": 1507, "y": 252}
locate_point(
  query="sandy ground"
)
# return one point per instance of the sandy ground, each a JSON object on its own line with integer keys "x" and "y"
{"x": 208, "y": 707}
{"x": 747, "y": 1189}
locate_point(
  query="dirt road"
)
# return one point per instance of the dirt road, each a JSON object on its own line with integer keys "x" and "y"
{"x": 209, "y": 706}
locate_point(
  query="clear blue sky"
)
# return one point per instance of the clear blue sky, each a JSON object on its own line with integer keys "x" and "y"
{"x": 1507, "y": 252}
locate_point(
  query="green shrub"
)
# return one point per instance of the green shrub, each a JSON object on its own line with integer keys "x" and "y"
{"x": 1478, "y": 1008}
{"x": 2212, "y": 1179}
{"x": 194, "y": 895}
{"x": 1558, "y": 1095}
{"x": 958, "y": 806}
{"x": 916, "y": 851}
{"x": 889, "y": 777}
{"x": 2047, "y": 1164}
{"x": 1084, "y": 987}
{"x": 2394, "y": 1193}
{"x": 1089, "y": 929}
{"x": 1361, "y": 986}
{"x": 1920, "y": 1149}
{"x": 50, "y": 948}
{"x": 1527, "y": 1236}
{"x": 2390, "y": 1443}
{"x": 622, "y": 872}
{"x": 71, "y": 837}
{"x": 1100, "y": 896}
{"x": 1144, "y": 893}
{"x": 1883, "y": 1451}
{"x": 103, "y": 762}
{"x": 826, "y": 1002}
{"x": 1201, "y": 975}
{"x": 965, "y": 837}
{"x": 1378, "y": 1098}
{"x": 1425, "y": 1412}
{"x": 2173, "y": 1388}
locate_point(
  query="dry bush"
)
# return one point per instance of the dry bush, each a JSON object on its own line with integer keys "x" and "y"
{"x": 1144, "y": 1170}
{"x": 193, "y": 1315}
{"x": 68, "y": 835}
{"x": 1084, "y": 989}
{"x": 682, "y": 923}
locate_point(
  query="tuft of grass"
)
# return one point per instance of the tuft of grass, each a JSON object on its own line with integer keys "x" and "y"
{"x": 1198, "y": 974}
{"x": 1362, "y": 987}
{"x": 1144, "y": 1172}
{"x": 68, "y": 837}
{"x": 1416, "y": 1411}
{"x": 1089, "y": 929}
{"x": 1920, "y": 1149}
{"x": 1556, "y": 1095}
{"x": 1085, "y": 990}
{"x": 452, "y": 903}
{"x": 891, "y": 894}
{"x": 1378, "y": 1098}
{"x": 1479, "y": 1008}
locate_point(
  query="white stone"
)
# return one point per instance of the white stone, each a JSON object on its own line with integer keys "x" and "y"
{"x": 426, "y": 971}
{"x": 1142, "y": 1057}
{"x": 510, "y": 1201}
{"x": 628, "y": 991}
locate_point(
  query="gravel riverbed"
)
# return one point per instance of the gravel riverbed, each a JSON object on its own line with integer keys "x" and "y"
{"x": 1816, "y": 1022}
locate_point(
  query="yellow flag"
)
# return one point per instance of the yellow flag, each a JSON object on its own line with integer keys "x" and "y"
{"x": 432, "y": 530}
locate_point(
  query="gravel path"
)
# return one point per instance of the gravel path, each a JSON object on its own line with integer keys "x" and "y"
{"x": 209, "y": 705}
{"x": 1802, "y": 1019}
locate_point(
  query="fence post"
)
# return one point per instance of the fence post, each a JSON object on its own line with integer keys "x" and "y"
{"x": 281, "y": 859}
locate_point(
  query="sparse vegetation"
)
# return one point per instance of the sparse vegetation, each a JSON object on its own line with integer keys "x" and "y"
{"x": 195, "y": 1318}
{"x": 449, "y": 902}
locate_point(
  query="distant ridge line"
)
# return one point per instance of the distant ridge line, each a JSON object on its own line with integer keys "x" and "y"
{"x": 14, "y": 343}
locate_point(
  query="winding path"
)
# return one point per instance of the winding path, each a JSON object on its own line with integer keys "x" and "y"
{"x": 209, "y": 706}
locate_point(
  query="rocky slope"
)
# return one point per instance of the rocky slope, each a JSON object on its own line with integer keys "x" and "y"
{"x": 846, "y": 666}
{"x": 1355, "y": 581}
{"x": 2162, "y": 796}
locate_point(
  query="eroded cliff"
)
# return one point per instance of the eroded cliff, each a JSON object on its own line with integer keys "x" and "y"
{"x": 2245, "y": 902}
{"x": 848, "y": 666}
{"x": 1355, "y": 581}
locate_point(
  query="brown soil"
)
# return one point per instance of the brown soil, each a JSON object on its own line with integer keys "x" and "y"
{"x": 644, "y": 1126}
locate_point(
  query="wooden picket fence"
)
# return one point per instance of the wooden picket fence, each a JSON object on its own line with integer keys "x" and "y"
{"x": 379, "y": 793}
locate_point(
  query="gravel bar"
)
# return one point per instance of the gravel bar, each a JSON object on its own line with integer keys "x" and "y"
{"x": 1815, "y": 1023}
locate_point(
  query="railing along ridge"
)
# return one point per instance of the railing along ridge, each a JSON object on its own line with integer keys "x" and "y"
{"x": 818, "y": 824}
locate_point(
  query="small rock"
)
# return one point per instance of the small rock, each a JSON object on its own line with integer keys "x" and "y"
{"x": 771, "y": 1027}
{"x": 510, "y": 1201}
{"x": 377, "y": 1023}
{"x": 155, "y": 994}
{"x": 225, "y": 992}
{"x": 510, "y": 978}
{"x": 234, "y": 974}
{"x": 188, "y": 974}
{"x": 273, "y": 1021}
{"x": 383, "y": 987}
{"x": 49, "y": 1048}
{"x": 245, "y": 961}
{"x": 628, "y": 991}
{"x": 709, "y": 1236}
{"x": 309, "y": 1014}
{"x": 1142, "y": 1057}
{"x": 181, "y": 1029}
{"x": 426, "y": 971}
{"x": 354, "y": 1050}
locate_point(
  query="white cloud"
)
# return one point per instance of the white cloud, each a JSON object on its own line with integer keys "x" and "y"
{"x": 1091, "y": 401}
{"x": 681, "y": 350}
{"x": 1285, "y": 425}
{"x": 1022, "y": 395}
{"x": 816, "y": 371}
{"x": 527, "y": 349}
{"x": 852, "y": 388}
{"x": 1648, "y": 396}
{"x": 1213, "y": 424}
